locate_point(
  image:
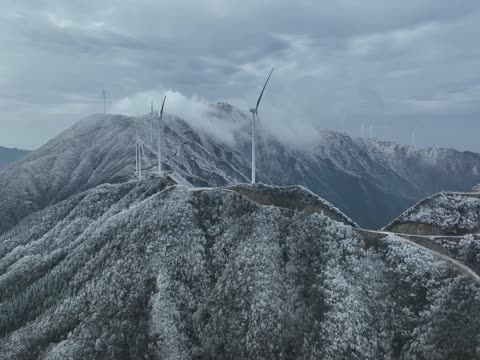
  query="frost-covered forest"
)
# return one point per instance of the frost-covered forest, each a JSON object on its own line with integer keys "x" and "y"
{"x": 151, "y": 269}
{"x": 450, "y": 213}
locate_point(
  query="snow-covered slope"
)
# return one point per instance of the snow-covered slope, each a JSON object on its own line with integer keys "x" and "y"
{"x": 441, "y": 214}
{"x": 293, "y": 197}
{"x": 100, "y": 149}
{"x": 151, "y": 269}
{"x": 370, "y": 181}
{"x": 8, "y": 155}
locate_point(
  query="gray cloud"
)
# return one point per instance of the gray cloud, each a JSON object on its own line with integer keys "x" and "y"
{"x": 402, "y": 65}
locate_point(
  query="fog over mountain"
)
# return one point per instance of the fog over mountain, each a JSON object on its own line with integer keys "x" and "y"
{"x": 371, "y": 181}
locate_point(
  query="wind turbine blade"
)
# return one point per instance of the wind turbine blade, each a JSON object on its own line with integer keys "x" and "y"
{"x": 264, "y": 86}
{"x": 263, "y": 137}
{"x": 163, "y": 104}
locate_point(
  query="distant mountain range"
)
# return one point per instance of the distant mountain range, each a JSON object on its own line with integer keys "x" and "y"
{"x": 371, "y": 181}
{"x": 8, "y": 155}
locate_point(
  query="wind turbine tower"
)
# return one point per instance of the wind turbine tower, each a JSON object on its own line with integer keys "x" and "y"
{"x": 160, "y": 137}
{"x": 151, "y": 123}
{"x": 255, "y": 116}
{"x": 139, "y": 156}
{"x": 104, "y": 94}
{"x": 139, "y": 153}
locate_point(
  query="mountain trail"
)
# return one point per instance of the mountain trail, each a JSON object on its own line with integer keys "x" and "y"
{"x": 403, "y": 237}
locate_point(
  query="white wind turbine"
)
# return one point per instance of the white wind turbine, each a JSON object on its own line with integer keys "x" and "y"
{"x": 152, "y": 115}
{"x": 160, "y": 137}
{"x": 139, "y": 154}
{"x": 254, "y": 112}
{"x": 104, "y": 94}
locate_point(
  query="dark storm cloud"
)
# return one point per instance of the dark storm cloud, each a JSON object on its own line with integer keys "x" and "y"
{"x": 399, "y": 64}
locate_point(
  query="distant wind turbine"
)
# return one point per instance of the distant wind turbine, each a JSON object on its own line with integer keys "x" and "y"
{"x": 104, "y": 94}
{"x": 363, "y": 126}
{"x": 254, "y": 112}
{"x": 151, "y": 123}
{"x": 139, "y": 155}
{"x": 160, "y": 137}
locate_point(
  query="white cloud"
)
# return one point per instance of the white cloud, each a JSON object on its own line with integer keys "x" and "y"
{"x": 195, "y": 110}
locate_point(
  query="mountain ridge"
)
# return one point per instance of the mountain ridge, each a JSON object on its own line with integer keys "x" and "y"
{"x": 10, "y": 155}
{"x": 370, "y": 181}
{"x": 153, "y": 268}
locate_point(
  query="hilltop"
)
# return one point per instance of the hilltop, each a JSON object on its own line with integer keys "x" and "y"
{"x": 446, "y": 213}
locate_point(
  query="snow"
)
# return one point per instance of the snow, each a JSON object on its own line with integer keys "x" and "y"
{"x": 453, "y": 213}
{"x": 370, "y": 181}
{"x": 157, "y": 269}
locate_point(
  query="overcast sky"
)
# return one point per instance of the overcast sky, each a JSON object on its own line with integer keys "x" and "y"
{"x": 405, "y": 65}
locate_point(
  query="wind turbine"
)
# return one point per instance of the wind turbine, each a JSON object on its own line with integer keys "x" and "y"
{"x": 159, "y": 138}
{"x": 254, "y": 112}
{"x": 151, "y": 123}
{"x": 104, "y": 94}
{"x": 140, "y": 158}
{"x": 139, "y": 155}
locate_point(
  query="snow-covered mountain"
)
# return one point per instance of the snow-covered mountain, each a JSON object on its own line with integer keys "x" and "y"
{"x": 446, "y": 222}
{"x": 9, "y": 155}
{"x": 370, "y": 181}
{"x": 151, "y": 269}
{"x": 446, "y": 213}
